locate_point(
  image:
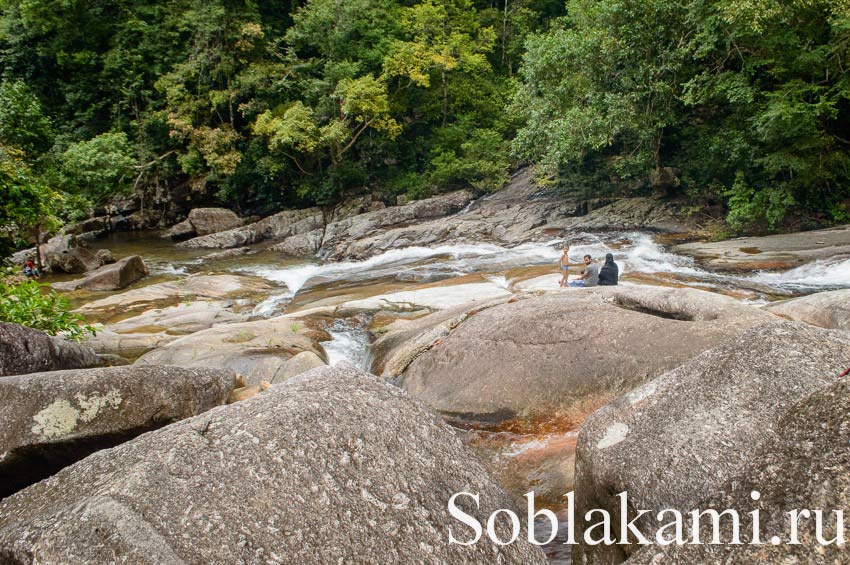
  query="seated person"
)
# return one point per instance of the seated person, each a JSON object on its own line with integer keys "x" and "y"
{"x": 590, "y": 276}
{"x": 609, "y": 274}
{"x": 30, "y": 270}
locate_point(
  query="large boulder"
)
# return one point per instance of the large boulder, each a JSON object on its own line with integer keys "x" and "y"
{"x": 825, "y": 309}
{"x": 278, "y": 226}
{"x": 259, "y": 350}
{"x": 335, "y": 239}
{"x": 205, "y": 221}
{"x": 25, "y": 350}
{"x": 333, "y": 466}
{"x": 683, "y": 437}
{"x": 804, "y": 465}
{"x": 69, "y": 254}
{"x": 563, "y": 355}
{"x": 50, "y": 420}
{"x": 116, "y": 276}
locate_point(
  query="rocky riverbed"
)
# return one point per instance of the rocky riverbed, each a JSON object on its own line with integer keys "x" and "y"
{"x": 450, "y": 301}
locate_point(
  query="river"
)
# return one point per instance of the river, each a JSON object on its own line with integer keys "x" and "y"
{"x": 443, "y": 276}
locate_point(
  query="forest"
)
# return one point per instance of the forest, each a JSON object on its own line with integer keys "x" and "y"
{"x": 741, "y": 105}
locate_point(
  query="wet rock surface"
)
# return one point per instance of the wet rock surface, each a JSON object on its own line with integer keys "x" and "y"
{"x": 25, "y": 350}
{"x": 685, "y": 436}
{"x": 782, "y": 251}
{"x": 194, "y": 287}
{"x": 52, "y": 419}
{"x": 342, "y": 467}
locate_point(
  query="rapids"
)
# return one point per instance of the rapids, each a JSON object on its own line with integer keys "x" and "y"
{"x": 416, "y": 280}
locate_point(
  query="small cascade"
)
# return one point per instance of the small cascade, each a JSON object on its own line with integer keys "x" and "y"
{"x": 349, "y": 342}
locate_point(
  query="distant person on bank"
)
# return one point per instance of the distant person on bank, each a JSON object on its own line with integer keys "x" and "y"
{"x": 590, "y": 276}
{"x": 30, "y": 270}
{"x": 564, "y": 264}
{"x": 609, "y": 274}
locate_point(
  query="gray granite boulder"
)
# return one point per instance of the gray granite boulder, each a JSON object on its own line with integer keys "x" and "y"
{"x": 205, "y": 221}
{"x": 333, "y": 466}
{"x": 561, "y": 355}
{"x": 681, "y": 438}
{"x": 824, "y": 309}
{"x": 115, "y": 276}
{"x": 803, "y": 466}
{"x": 69, "y": 254}
{"x": 50, "y": 420}
{"x": 25, "y": 350}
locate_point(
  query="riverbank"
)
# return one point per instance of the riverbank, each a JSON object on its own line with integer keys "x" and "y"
{"x": 461, "y": 311}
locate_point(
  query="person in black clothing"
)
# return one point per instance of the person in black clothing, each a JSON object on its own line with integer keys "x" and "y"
{"x": 609, "y": 274}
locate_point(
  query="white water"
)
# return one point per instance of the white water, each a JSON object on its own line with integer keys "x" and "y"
{"x": 818, "y": 275}
{"x": 273, "y": 305}
{"x": 634, "y": 252}
{"x": 455, "y": 256}
{"x": 348, "y": 343}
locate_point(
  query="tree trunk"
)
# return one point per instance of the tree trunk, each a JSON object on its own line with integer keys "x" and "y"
{"x": 445, "y": 97}
{"x": 505, "y": 36}
{"x": 38, "y": 247}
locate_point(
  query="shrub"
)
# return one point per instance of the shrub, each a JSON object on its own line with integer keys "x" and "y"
{"x": 31, "y": 304}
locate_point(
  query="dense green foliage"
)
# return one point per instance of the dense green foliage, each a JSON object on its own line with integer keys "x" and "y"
{"x": 741, "y": 101}
{"x": 27, "y": 204}
{"x": 31, "y": 304}
{"x": 262, "y": 104}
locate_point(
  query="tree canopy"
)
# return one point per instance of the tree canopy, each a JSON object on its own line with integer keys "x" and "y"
{"x": 261, "y": 105}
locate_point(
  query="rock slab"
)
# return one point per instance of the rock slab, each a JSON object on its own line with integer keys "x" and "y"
{"x": 50, "y": 420}
{"x": 829, "y": 310}
{"x": 333, "y": 466}
{"x": 562, "y": 355}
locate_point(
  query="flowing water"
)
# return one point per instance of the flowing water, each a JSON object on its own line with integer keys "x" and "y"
{"x": 445, "y": 272}
{"x": 349, "y": 343}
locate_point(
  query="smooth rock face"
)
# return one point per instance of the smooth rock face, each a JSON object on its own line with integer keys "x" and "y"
{"x": 804, "y": 465}
{"x": 829, "y": 310}
{"x": 191, "y": 288}
{"x": 25, "y": 350}
{"x": 298, "y": 364}
{"x": 564, "y": 355}
{"x": 205, "y": 221}
{"x": 116, "y": 276}
{"x": 683, "y": 437}
{"x": 127, "y": 345}
{"x": 278, "y": 226}
{"x": 49, "y": 420}
{"x": 184, "y": 318}
{"x": 258, "y": 350}
{"x": 332, "y": 466}
{"x": 781, "y": 251}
